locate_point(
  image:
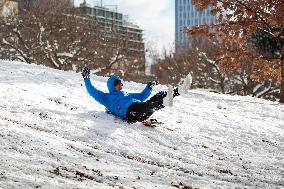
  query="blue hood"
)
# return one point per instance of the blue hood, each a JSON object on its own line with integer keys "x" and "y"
{"x": 110, "y": 83}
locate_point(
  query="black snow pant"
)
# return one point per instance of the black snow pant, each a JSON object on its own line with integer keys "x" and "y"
{"x": 140, "y": 111}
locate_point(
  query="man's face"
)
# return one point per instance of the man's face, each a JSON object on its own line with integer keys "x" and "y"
{"x": 119, "y": 87}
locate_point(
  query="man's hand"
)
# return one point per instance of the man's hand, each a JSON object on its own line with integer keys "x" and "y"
{"x": 86, "y": 72}
{"x": 152, "y": 84}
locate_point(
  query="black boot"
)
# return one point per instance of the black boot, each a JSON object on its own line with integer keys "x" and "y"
{"x": 158, "y": 97}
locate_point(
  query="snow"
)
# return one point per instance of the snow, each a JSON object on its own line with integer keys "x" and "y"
{"x": 53, "y": 135}
{"x": 66, "y": 55}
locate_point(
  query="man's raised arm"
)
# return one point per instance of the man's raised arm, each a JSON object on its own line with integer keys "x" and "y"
{"x": 98, "y": 95}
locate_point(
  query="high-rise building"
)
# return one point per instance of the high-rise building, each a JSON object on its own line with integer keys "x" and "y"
{"x": 186, "y": 15}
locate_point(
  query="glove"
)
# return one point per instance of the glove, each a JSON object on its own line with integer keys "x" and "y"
{"x": 152, "y": 84}
{"x": 176, "y": 92}
{"x": 85, "y": 72}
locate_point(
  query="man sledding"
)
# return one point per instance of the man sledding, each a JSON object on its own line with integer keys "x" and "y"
{"x": 131, "y": 107}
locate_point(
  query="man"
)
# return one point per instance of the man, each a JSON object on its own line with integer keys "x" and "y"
{"x": 132, "y": 107}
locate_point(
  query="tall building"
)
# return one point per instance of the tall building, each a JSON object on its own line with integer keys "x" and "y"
{"x": 110, "y": 19}
{"x": 186, "y": 15}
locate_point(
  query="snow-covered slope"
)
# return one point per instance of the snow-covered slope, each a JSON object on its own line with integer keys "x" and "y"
{"x": 53, "y": 135}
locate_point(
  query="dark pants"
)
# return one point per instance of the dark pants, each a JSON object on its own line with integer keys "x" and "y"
{"x": 140, "y": 111}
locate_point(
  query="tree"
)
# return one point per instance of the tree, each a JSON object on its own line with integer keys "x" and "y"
{"x": 53, "y": 33}
{"x": 242, "y": 28}
{"x": 171, "y": 68}
{"x": 213, "y": 73}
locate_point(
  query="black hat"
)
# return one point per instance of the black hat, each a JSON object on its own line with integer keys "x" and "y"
{"x": 117, "y": 82}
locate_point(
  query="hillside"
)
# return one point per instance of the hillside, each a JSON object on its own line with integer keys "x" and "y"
{"x": 54, "y": 135}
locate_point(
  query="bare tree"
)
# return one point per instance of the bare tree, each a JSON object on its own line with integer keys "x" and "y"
{"x": 214, "y": 73}
{"x": 53, "y": 33}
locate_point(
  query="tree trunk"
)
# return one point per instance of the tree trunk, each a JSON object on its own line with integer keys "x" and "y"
{"x": 222, "y": 84}
{"x": 282, "y": 76}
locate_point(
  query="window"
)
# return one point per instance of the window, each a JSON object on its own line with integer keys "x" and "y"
{"x": 119, "y": 16}
{"x": 188, "y": 22}
{"x": 100, "y": 12}
{"x": 108, "y": 14}
{"x": 208, "y": 12}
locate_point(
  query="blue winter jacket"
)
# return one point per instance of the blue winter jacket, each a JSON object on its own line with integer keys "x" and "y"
{"x": 117, "y": 102}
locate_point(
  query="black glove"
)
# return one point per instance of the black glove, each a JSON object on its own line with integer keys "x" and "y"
{"x": 152, "y": 84}
{"x": 85, "y": 72}
{"x": 176, "y": 92}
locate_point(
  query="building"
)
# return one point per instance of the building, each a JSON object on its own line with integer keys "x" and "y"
{"x": 111, "y": 19}
{"x": 186, "y": 15}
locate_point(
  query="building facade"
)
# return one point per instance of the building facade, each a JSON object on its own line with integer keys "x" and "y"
{"x": 111, "y": 19}
{"x": 117, "y": 25}
{"x": 186, "y": 15}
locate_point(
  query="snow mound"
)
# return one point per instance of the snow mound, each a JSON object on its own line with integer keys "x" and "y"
{"x": 53, "y": 135}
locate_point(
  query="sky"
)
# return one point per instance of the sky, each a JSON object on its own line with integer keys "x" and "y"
{"x": 155, "y": 17}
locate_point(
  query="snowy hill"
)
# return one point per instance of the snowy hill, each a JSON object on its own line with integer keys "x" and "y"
{"x": 53, "y": 135}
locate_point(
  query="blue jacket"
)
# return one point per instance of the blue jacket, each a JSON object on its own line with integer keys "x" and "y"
{"x": 117, "y": 102}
